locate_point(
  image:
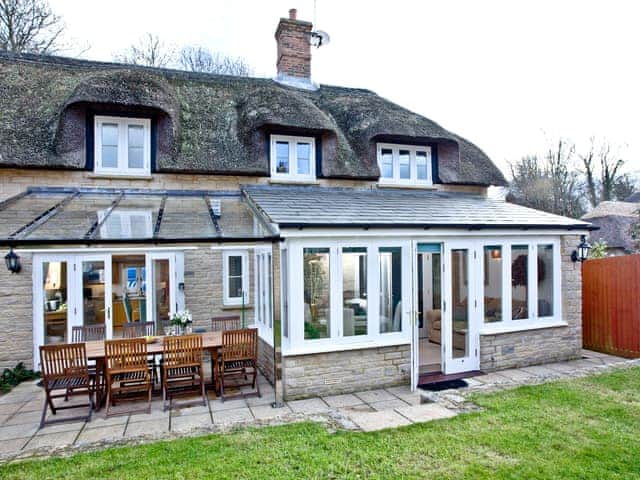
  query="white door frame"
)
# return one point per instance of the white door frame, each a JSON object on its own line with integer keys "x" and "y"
{"x": 472, "y": 360}
{"x": 78, "y": 319}
{"x": 176, "y": 279}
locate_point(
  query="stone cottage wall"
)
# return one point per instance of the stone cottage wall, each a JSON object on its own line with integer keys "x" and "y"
{"x": 545, "y": 345}
{"x": 343, "y": 372}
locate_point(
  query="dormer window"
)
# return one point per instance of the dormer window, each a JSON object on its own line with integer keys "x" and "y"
{"x": 122, "y": 146}
{"x": 405, "y": 164}
{"x": 293, "y": 158}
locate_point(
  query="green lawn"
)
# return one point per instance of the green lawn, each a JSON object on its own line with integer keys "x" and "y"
{"x": 586, "y": 429}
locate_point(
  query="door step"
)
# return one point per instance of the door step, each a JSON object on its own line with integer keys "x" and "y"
{"x": 436, "y": 377}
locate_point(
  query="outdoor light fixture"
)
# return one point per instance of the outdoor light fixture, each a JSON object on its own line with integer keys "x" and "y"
{"x": 581, "y": 254}
{"x": 12, "y": 261}
{"x": 496, "y": 254}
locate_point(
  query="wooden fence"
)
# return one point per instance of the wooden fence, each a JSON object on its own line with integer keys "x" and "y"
{"x": 611, "y": 305}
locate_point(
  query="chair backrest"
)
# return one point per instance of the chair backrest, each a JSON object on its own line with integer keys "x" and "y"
{"x": 126, "y": 355}
{"x": 182, "y": 351}
{"x": 87, "y": 333}
{"x": 63, "y": 360}
{"x": 225, "y": 322}
{"x": 239, "y": 344}
{"x": 138, "y": 329}
{"x": 126, "y": 305}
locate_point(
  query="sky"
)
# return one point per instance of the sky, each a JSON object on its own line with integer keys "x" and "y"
{"x": 511, "y": 76}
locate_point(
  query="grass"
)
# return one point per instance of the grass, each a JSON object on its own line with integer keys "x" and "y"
{"x": 579, "y": 429}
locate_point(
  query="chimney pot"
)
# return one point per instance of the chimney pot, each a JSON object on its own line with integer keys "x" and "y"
{"x": 293, "y": 13}
{"x": 294, "y": 49}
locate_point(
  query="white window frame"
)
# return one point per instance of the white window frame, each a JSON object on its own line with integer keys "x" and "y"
{"x": 297, "y": 344}
{"x": 123, "y": 161}
{"x": 293, "y": 159}
{"x": 233, "y": 301}
{"x": 413, "y": 170}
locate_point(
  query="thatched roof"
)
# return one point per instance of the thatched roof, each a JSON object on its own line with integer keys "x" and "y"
{"x": 615, "y": 220}
{"x": 210, "y": 123}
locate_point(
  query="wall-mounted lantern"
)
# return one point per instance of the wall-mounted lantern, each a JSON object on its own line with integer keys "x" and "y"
{"x": 12, "y": 261}
{"x": 582, "y": 253}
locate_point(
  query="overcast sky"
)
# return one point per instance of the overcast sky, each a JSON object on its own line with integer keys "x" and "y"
{"x": 508, "y": 75}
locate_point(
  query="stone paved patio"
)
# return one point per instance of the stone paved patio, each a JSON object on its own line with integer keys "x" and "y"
{"x": 366, "y": 411}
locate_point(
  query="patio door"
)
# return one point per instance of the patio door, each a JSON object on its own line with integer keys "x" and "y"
{"x": 165, "y": 286}
{"x": 460, "y": 319}
{"x": 93, "y": 292}
{"x": 263, "y": 296}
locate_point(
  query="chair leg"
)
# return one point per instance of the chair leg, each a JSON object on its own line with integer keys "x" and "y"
{"x": 44, "y": 410}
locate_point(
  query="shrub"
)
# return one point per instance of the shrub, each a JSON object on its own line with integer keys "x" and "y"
{"x": 12, "y": 377}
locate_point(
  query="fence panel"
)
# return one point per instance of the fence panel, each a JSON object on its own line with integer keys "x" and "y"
{"x": 611, "y": 305}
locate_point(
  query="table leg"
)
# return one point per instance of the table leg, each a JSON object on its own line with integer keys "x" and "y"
{"x": 100, "y": 382}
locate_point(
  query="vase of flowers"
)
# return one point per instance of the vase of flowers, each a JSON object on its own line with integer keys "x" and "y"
{"x": 181, "y": 320}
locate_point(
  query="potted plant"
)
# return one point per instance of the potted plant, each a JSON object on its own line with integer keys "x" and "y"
{"x": 182, "y": 320}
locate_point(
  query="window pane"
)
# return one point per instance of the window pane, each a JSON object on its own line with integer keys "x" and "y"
{"x": 460, "y": 303}
{"x": 235, "y": 287}
{"x": 354, "y": 291}
{"x": 110, "y": 134}
{"x": 492, "y": 283}
{"x": 136, "y": 146}
{"x": 387, "y": 163}
{"x": 545, "y": 280}
{"x": 303, "y": 152}
{"x": 405, "y": 170}
{"x": 54, "y": 289}
{"x": 284, "y": 291}
{"x": 109, "y": 140}
{"x": 317, "y": 303}
{"x": 390, "y": 261}
{"x": 109, "y": 156}
{"x": 421, "y": 165}
{"x": 519, "y": 281}
{"x": 235, "y": 265}
{"x": 282, "y": 157}
{"x": 136, "y": 136}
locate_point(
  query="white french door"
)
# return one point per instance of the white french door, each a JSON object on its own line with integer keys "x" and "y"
{"x": 263, "y": 296}
{"x": 461, "y": 307}
{"x": 93, "y": 292}
{"x": 164, "y": 285}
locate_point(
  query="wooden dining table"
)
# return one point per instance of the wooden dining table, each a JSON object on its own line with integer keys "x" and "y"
{"x": 211, "y": 341}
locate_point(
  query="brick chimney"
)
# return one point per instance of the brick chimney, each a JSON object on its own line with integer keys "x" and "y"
{"x": 294, "y": 51}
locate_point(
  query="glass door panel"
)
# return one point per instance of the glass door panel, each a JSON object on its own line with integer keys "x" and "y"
{"x": 55, "y": 300}
{"x": 162, "y": 292}
{"x": 459, "y": 327}
{"x": 93, "y": 292}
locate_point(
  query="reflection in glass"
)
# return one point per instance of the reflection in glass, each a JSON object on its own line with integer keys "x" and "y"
{"x": 317, "y": 303}
{"x": 354, "y": 291}
{"x": 303, "y": 152}
{"x": 93, "y": 284}
{"x": 460, "y": 301}
{"x": 282, "y": 157}
{"x": 519, "y": 281}
{"x": 387, "y": 163}
{"x": 234, "y": 277}
{"x": 545, "y": 280}
{"x": 136, "y": 146}
{"x": 421, "y": 165}
{"x": 161, "y": 285}
{"x": 405, "y": 164}
{"x": 390, "y": 262}
{"x": 109, "y": 141}
{"x": 54, "y": 288}
{"x": 492, "y": 283}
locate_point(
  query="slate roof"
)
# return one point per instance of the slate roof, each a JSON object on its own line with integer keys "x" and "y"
{"x": 210, "y": 123}
{"x": 310, "y": 206}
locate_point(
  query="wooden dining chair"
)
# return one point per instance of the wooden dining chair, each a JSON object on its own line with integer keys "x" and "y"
{"x": 225, "y": 322}
{"x": 183, "y": 371}
{"x": 138, "y": 329}
{"x": 87, "y": 333}
{"x": 238, "y": 359}
{"x": 64, "y": 368}
{"x": 127, "y": 371}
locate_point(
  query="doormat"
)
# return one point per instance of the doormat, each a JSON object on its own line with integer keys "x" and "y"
{"x": 445, "y": 385}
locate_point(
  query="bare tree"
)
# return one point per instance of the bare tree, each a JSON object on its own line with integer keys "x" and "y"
{"x": 150, "y": 50}
{"x": 30, "y": 26}
{"x": 603, "y": 177}
{"x": 201, "y": 59}
{"x": 550, "y": 184}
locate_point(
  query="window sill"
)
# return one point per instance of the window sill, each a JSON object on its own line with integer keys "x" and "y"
{"x": 293, "y": 181}
{"x": 514, "y": 327}
{"x": 324, "y": 347}
{"x": 114, "y": 176}
{"x": 237, "y": 307}
{"x": 407, "y": 186}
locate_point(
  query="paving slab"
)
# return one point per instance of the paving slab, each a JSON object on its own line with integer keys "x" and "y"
{"x": 309, "y": 405}
{"x": 542, "y": 371}
{"x": 339, "y": 401}
{"x": 426, "y": 412}
{"x": 371, "y": 421}
{"x": 17, "y": 431}
{"x": 51, "y": 440}
{"x": 388, "y": 404}
{"x": 102, "y": 421}
{"x": 13, "y": 446}
{"x": 518, "y": 375}
{"x": 151, "y": 427}
{"x": 26, "y": 418}
{"x": 233, "y": 416}
{"x": 219, "y": 405}
{"x": 263, "y": 400}
{"x": 157, "y": 413}
{"x": 61, "y": 427}
{"x": 11, "y": 408}
{"x": 190, "y": 422}
{"x": 3, "y": 418}
{"x": 267, "y": 412}
{"x": 562, "y": 367}
{"x": 101, "y": 434}
{"x": 371, "y": 396}
{"x": 362, "y": 408}
{"x": 492, "y": 379}
{"x": 183, "y": 412}
{"x": 32, "y": 406}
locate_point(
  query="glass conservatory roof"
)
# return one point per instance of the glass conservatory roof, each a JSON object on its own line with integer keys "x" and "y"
{"x": 93, "y": 216}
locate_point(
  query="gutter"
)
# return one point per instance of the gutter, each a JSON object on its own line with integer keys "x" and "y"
{"x": 17, "y": 242}
{"x": 428, "y": 226}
